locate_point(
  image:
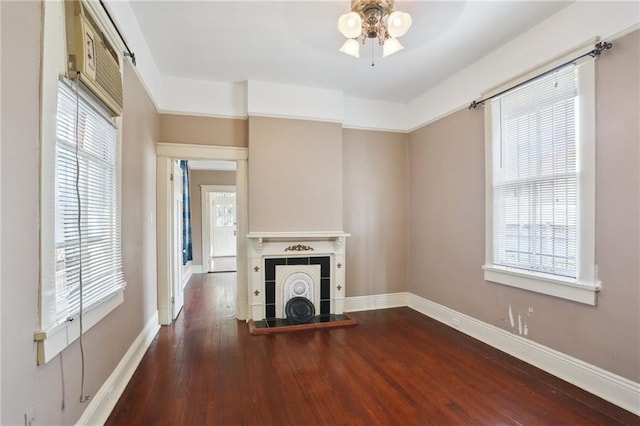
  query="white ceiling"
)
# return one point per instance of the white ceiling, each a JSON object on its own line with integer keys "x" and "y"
{"x": 297, "y": 42}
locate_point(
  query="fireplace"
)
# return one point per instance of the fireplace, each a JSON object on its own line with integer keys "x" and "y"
{"x": 286, "y": 266}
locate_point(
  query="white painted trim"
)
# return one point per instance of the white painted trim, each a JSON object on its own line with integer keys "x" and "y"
{"x": 298, "y": 235}
{"x": 375, "y": 115}
{"x": 102, "y": 403}
{"x": 202, "y": 114}
{"x": 242, "y": 218}
{"x": 616, "y": 389}
{"x": 289, "y": 101}
{"x": 186, "y": 274}
{"x": 374, "y": 129}
{"x": 204, "y": 226}
{"x": 376, "y": 301}
{"x": 202, "y": 97}
{"x": 438, "y": 117}
{"x": 201, "y": 152}
{"x": 54, "y": 340}
{"x": 296, "y": 117}
{"x": 196, "y": 269}
{"x": 564, "y": 288}
{"x": 163, "y": 233}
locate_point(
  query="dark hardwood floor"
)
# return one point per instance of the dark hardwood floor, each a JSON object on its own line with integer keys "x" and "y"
{"x": 397, "y": 367}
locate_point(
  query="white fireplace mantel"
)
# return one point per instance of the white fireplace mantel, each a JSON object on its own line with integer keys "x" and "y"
{"x": 259, "y": 238}
{"x": 269, "y": 245}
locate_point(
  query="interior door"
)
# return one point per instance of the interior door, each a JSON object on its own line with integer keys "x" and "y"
{"x": 177, "y": 291}
{"x": 223, "y": 224}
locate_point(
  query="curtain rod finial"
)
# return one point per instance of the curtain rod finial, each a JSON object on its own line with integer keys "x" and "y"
{"x": 600, "y": 47}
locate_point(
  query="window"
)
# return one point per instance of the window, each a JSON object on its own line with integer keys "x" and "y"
{"x": 86, "y": 247}
{"x": 541, "y": 185}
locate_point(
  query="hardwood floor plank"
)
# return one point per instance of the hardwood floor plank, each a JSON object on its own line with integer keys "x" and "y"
{"x": 397, "y": 367}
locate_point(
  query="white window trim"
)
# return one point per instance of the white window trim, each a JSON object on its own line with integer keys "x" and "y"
{"x": 585, "y": 287}
{"x": 53, "y": 338}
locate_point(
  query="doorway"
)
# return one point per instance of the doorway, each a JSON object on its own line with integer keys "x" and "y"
{"x": 167, "y": 153}
{"x": 219, "y": 228}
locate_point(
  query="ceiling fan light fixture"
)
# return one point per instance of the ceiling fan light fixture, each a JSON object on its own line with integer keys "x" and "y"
{"x": 391, "y": 46}
{"x": 375, "y": 20}
{"x": 350, "y": 25}
{"x": 398, "y": 23}
{"x": 351, "y": 47}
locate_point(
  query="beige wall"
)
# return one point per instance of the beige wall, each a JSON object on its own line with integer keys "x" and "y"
{"x": 197, "y": 178}
{"x": 53, "y": 389}
{"x": 446, "y": 227}
{"x": 375, "y": 211}
{"x": 295, "y": 175}
{"x": 203, "y": 130}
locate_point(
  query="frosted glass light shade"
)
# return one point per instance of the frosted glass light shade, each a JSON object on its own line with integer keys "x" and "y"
{"x": 351, "y": 47}
{"x": 350, "y": 25}
{"x": 391, "y": 46}
{"x": 398, "y": 24}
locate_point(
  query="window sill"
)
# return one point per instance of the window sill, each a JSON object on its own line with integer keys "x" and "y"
{"x": 564, "y": 288}
{"x": 54, "y": 340}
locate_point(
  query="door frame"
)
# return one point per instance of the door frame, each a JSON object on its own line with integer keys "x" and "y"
{"x": 176, "y": 244}
{"x": 167, "y": 152}
{"x": 206, "y": 213}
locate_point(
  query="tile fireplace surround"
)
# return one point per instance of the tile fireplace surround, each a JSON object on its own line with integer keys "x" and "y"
{"x": 315, "y": 258}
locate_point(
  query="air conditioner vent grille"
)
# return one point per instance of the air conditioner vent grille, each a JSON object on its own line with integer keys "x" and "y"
{"x": 108, "y": 74}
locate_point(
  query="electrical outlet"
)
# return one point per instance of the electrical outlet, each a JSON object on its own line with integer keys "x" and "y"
{"x": 30, "y": 416}
{"x": 455, "y": 322}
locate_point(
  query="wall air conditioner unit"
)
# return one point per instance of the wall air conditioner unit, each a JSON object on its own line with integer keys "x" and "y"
{"x": 90, "y": 53}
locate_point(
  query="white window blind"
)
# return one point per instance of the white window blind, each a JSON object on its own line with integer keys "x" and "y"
{"x": 535, "y": 181}
{"x": 95, "y": 252}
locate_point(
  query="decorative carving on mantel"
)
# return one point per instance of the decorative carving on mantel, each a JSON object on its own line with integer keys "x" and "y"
{"x": 339, "y": 287}
{"x": 338, "y": 243}
{"x": 256, "y": 268}
{"x": 339, "y": 265}
{"x": 257, "y": 292}
{"x": 299, "y": 247}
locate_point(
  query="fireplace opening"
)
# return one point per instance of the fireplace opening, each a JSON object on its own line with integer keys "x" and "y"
{"x": 300, "y": 310}
{"x": 288, "y": 277}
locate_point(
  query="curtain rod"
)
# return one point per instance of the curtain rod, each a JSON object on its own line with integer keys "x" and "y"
{"x": 128, "y": 53}
{"x": 597, "y": 50}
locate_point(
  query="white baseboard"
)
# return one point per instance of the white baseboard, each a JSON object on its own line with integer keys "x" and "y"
{"x": 188, "y": 272}
{"x": 102, "y": 403}
{"x": 376, "y": 301}
{"x": 618, "y": 390}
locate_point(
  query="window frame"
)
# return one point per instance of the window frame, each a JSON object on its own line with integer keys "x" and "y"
{"x": 585, "y": 286}
{"x": 53, "y": 337}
